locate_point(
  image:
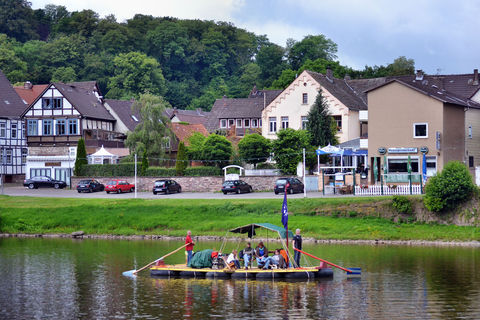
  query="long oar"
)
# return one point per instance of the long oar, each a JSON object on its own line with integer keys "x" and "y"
{"x": 348, "y": 271}
{"x": 134, "y": 272}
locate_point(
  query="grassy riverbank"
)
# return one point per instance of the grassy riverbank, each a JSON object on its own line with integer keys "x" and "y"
{"x": 318, "y": 218}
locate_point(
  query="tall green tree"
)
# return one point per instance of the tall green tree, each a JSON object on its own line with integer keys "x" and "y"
{"x": 271, "y": 63}
{"x": 151, "y": 134}
{"x": 182, "y": 160}
{"x": 288, "y": 149}
{"x": 217, "y": 151}
{"x": 135, "y": 73}
{"x": 319, "y": 123}
{"x": 81, "y": 159}
{"x": 254, "y": 148}
{"x": 401, "y": 66}
{"x": 17, "y": 20}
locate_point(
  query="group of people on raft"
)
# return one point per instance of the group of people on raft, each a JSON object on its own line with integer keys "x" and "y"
{"x": 260, "y": 254}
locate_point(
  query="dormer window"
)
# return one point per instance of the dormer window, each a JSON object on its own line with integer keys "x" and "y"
{"x": 134, "y": 118}
{"x": 6, "y": 101}
{"x": 52, "y": 103}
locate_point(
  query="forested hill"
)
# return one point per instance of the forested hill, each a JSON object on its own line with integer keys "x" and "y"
{"x": 189, "y": 62}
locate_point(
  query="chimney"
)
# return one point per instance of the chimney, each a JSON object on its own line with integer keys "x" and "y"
{"x": 419, "y": 75}
{"x": 27, "y": 85}
{"x": 475, "y": 77}
{"x": 329, "y": 73}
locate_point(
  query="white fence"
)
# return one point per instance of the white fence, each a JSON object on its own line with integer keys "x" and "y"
{"x": 262, "y": 172}
{"x": 377, "y": 190}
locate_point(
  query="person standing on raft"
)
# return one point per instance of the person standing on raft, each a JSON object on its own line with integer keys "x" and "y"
{"x": 297, "y": 244}
{"x": 189, "y": 248}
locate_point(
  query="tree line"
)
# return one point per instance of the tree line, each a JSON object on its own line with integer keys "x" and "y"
{"x": 188, "y": 62}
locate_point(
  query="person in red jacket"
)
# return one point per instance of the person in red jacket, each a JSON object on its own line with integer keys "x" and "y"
{"x": 189, "y": 247}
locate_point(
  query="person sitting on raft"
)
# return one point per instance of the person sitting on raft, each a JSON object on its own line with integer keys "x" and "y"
{"x": 232, "y": 258}
{"x": 278, "y": 260}
{"x": 261, "y": 254}
{"x": 247, "y": 255}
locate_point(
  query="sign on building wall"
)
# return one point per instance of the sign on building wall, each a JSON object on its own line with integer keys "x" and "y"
{"x": 402, "y": 150}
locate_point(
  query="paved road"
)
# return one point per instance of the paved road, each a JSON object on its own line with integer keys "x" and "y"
{"x": 64, "y": 193}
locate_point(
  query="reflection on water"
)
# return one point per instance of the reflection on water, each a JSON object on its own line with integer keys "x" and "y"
{"x": 70, "y": 279}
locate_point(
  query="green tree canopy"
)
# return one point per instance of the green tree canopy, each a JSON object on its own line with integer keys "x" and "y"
{"x": 182, "y": 159}
{"x": 319, "y": 123}
{"x": 287, "y": 149}
{"x": 217, "y": 151}
{"x": 254, "y": 148}
{"x": 195, "y": 148}
{"x": 311, "y": 47}
{"x": 152, "y": 132}
{"x": 136, "y": 73}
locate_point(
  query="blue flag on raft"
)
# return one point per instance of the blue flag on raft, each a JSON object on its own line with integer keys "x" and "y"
{"x": 285, "y": 210}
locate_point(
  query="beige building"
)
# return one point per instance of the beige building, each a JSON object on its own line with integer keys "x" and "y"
{"x": 409, "y": 116}
{"x": 290, "y": 108}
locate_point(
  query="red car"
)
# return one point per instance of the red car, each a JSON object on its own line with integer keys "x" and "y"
{"x": 119, "y": 186}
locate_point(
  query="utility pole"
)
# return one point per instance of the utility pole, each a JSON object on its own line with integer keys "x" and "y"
{"x": 304, "y": 178}
{"x": 135, "y": 175}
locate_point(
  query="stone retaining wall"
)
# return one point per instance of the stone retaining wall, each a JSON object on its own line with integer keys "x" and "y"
{"x": 193, "y": 184}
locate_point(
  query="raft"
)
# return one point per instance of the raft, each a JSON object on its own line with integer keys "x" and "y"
{"x": 309, "y": 273}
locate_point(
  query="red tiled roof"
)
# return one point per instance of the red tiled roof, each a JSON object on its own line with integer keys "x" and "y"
{"x": 30, "y": 94}
{"x": 184, "y": 131}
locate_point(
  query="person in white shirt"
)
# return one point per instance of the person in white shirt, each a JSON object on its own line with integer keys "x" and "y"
{"x": 232, "y": 257}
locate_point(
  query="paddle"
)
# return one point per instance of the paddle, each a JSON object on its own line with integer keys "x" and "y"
{"x": 134, "y": 272}
{"x": 348, "y": 271}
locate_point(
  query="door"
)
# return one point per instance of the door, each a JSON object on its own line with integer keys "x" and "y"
{"x": 63, "y": 174}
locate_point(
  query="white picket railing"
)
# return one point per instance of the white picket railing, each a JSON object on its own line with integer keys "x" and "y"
{"x": 376, "y": 190}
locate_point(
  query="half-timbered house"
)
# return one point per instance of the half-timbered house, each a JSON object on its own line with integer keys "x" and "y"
{"x": 13, "y": 147}
{"x": 57, "y": 119}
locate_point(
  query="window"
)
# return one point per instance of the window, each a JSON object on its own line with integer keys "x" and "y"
{"x": 246, "y": 123}
{"x": 338, "y": 122}
{"x": 72, "y": 126}
{"x": 32, "y": 127}
{"x": 52, "y": 103}
{"x": 284, "y": 122}
{"x": 273, "y": 124}
{"x": 166, "y": 143}
{"x": 470, "y": 133}
{"x": 471, "y": 162}
{"x": 431, "y": 165}
{"x": 304, "y": 122}
{"x": 134, "y": 118}
{"x": 400, "y": 165}
{"x": 223, "y": 123}
{"x": 47, "y": 127}
{"x": 305, "y": 98}
{"x": 61, "y": 127}
{"x": 8, "y": 156}
{"x": 23, "y": 130}
{"x": 24, "y": 155}
{"x": 239, "y": 123}
{"x": 420, "y": 130}
{"x": 259, "y": 123}
{"x": 3, "y": 129}
{"x": 254, "y": 123}
{"x": 13, "y": 133}
{"x": 231, "y": 122}
{"x": 40, "y": 172}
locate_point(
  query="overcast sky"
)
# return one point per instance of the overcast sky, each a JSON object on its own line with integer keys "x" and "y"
{"x": 440, "y": 35}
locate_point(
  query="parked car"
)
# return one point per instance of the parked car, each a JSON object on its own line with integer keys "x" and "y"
{"x": 237, "y": 186}
{"x": 89, "y": 186}
{"x": 293, "y": 185}
{"x": 43, "y": 182}
{"x": 166, "y": 186}
{"x": 119, "y": 186}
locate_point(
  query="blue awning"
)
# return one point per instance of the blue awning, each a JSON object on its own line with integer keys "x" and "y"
{"x": 349, "y": 152}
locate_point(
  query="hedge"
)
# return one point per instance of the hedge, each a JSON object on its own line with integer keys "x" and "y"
{"x": 128, "y": 170}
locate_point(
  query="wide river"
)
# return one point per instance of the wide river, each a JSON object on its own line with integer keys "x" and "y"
{"x": 82, "y": 279}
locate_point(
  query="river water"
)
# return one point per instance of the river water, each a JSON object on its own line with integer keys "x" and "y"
{"x": 82, "y": 279}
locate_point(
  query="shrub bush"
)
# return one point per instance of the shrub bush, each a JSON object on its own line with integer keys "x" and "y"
{"x": 402, "y": 204}
{"x": 128, "y": 170}
{"x": 449, "y": 188}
